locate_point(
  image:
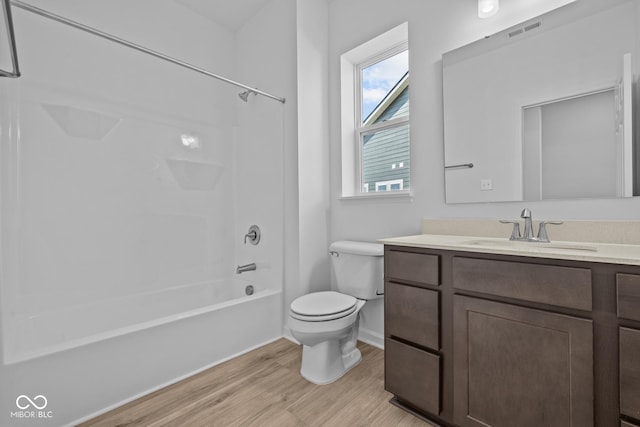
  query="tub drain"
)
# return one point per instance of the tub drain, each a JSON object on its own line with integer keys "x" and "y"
{"x": 249, "y": 290}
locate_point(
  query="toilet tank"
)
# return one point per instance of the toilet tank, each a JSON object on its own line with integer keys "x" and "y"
{"x": 358, "y": 268}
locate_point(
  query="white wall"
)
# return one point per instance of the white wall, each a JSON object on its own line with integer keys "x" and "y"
{"x": 164, "y": 26}
{"x": 313, "y": 151}
{"x": 434, "y": 28}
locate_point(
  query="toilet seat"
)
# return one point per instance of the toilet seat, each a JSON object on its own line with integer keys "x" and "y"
{"x": 322, "y": 306}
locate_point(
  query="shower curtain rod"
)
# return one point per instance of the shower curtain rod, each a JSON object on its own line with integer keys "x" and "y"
{"x": 137, "y": 47}
{"x": 8, "y": 22}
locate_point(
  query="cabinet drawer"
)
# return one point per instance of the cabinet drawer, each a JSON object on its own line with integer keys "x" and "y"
{"x": 413, "y": 375}
{"x": 627, "y": 424}
{"x": 628, "y": 287}
{"x": 630, "y": 372}
{"x": 547, "y": 284}
{"x": 413, "y": 267}
{"x": 412, "y": 314}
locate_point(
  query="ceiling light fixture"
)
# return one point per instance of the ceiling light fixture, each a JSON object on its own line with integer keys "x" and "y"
{"x": 487, "y": 8}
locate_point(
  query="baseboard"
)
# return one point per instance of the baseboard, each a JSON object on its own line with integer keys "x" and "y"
{"x": 372, "y": 338}
{"x": 168, "y": 383}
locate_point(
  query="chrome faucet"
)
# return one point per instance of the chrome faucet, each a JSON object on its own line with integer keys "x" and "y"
{"x": 528, "y": 236}
{"x": 244, "y": 268}
{"x": 528, "y": 225}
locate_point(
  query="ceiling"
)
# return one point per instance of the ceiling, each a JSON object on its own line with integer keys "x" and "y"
{"x": 231, "y": 14}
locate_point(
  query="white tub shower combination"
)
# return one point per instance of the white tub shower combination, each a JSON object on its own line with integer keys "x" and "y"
{"x": 56, "y": 330}
{"x": 126, "y": 194}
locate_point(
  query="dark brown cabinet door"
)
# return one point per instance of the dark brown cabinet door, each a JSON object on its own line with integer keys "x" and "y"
{"x": 516, "y": 366}
{"x": 630, "y": 372}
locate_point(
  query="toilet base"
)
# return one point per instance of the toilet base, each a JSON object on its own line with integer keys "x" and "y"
{"x": 324, "y": 363}
{"x": 351, "y": 360}
{"x": 329, "y": 348}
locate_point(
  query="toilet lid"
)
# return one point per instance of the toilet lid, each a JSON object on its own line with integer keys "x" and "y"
{"x": 325, "y": 305}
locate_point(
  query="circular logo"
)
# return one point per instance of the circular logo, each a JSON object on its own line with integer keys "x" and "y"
{"x": 24, "y": 402}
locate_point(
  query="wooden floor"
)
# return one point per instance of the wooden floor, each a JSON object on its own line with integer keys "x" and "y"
{"x": 264, "y": 388}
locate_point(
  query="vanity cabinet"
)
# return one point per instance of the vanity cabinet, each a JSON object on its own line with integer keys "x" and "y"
{"x": 481, "y": 339}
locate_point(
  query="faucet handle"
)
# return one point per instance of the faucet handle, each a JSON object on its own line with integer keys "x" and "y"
{"x": 515, "y": 233}
{"x": 542, "y": 230}
{"x": 253, "y": 235}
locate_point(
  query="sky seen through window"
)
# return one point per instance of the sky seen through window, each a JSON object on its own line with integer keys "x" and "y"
{"x": 379, "y": 78}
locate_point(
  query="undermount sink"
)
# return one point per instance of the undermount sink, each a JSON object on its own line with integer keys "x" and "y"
{"x": 531, "y": 245}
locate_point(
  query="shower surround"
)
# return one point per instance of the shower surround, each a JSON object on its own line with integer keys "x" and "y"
{"x": 127, "y": 185}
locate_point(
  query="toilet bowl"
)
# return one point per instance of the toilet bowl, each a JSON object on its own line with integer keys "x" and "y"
{"x": 327, "y": 323}
{"x": 329, "y": 340}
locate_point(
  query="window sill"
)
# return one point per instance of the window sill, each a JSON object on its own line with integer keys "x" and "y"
{"x": 382, "y": 195}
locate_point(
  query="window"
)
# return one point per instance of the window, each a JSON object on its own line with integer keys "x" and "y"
{"x": 375, "y": 115}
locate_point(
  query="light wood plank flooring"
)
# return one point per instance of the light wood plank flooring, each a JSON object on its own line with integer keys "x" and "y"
{"x": 264, "y": 388}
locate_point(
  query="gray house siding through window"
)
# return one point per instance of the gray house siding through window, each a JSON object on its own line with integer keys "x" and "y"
{"x": 385, "y": 153}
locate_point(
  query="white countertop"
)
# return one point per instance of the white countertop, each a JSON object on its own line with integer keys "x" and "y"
{"x": 610, "y": 253}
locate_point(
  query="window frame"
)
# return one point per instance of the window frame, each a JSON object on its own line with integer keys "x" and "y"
{"x": 353, "y": 62}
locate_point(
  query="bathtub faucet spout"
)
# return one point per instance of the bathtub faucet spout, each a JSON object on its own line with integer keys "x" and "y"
{"x": 244, "y": 268}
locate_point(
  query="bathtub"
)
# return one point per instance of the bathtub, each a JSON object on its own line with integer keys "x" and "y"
{"x": 57, "y": 330}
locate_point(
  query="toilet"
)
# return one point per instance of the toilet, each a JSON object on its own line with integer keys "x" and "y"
{"x": 326, "y": 323}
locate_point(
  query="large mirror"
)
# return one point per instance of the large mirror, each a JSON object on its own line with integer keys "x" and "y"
{"x": 544, "y": 109}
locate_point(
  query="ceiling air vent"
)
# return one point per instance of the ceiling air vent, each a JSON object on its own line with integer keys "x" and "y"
{"x": 525, "y": 29}
{"x": 533, "y": 26}
{"x": 516, "y": 32}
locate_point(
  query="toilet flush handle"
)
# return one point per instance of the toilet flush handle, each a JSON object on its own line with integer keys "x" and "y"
{"x": 334, "y": 253}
